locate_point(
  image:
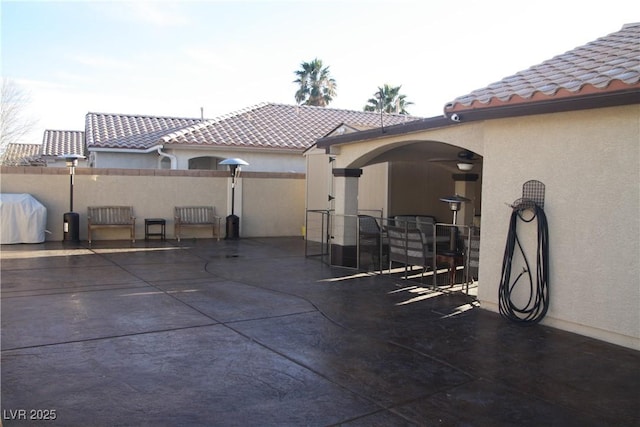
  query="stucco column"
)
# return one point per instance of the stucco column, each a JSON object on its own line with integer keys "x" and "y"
{"x": 465, "y": 185}
{"x": 345, "y": 222}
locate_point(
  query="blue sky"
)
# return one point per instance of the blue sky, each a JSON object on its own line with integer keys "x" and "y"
{"x": 172, "y": 58}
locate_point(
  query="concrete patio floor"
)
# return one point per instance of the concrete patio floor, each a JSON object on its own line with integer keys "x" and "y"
{"x": 252, "y": 333}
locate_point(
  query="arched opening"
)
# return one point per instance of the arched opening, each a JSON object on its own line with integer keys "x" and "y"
{"x": 401, "y": 179}
{"x": 410, "y": 178}
{"x": 205, "y": 163}
{"x": 165, "y": 163}
{"x": 404, "y": 181}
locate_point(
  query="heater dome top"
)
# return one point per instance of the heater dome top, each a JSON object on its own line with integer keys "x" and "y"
{"x": 455, "y": 199}
{"x": 234, "y": 161}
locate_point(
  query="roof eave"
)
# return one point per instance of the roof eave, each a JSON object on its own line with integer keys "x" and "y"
{"x": 384, "y": 132}
{"x": 126, "y": 150}
{"x": 551, "y": 105}
{"x": 226, "y": 147}
{"x": 590, "y": 101}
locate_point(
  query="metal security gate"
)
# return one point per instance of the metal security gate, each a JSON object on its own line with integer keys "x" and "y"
{"x": 316, "y": 234}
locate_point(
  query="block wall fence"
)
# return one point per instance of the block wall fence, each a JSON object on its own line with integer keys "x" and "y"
{"x": 269, "y": 204}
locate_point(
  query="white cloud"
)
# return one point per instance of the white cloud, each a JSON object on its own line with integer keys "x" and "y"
{"x": 30, "y": 84}
{"x": 101, "y": 62}
{"x": 208, "y": 58}
{"x": 159, "y": 13}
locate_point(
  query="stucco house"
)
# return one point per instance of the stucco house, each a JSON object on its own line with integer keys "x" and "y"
{"x": 571, "y": 123}
{"x": 20, "y": 154}
{"x": 271, "y": 137}
{"x": 55, "y": 143}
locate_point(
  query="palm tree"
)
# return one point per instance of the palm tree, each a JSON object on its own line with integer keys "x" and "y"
{"x": 388, "y": 100}
{"x": 317, "y": 87}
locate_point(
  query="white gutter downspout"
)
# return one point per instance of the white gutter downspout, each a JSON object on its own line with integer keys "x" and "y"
{"x": 172, "y": 158}
{"x": 158, "y": 148}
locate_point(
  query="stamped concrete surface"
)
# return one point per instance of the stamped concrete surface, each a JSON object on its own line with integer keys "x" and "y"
{"x": 252, "y": 333}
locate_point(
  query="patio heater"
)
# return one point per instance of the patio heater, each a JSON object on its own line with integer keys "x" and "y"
{"x": 71, "y": 220}
{"x": 455, "y": 202}
{"x": 233, "y": 222}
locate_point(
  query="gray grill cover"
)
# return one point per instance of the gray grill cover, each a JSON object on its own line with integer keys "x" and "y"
{"x": 22, "y": 219}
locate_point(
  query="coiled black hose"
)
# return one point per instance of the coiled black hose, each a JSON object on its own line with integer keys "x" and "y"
{"x": 538, "y": 301}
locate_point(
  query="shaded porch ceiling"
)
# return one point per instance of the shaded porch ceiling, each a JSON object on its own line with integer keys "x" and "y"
{"x": 434, "y": 152}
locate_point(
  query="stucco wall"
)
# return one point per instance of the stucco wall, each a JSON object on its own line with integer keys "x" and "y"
{"x": 105, "y": 159}
{"x": 273, "y": 204}
{"x": 318, "y": 173}
{"x": 590, "y": 164}
{"x": 373, "y": 190}
{"x": 416, "y": 189}
{"x": 261, "y": 161}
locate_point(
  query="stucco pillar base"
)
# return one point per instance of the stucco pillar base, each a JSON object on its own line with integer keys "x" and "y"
{"x": 344, "y": 256}
{"x": 345, "y": 221}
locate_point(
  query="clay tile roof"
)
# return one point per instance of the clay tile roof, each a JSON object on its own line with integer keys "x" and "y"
{"x": 130, "y": 131}
{"x": 276, "y": 126}
{"x": 22, "y": 155}
{"x": 608, "y": 64}
{"x": 59, "y": 142}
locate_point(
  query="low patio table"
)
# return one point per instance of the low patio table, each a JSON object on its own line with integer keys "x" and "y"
{"x": 148, "y": 222}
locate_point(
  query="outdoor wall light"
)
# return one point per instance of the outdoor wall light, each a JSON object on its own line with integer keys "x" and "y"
{"x": 465, "y": 167}
{"x": 71, "y": 220}
{"x": 233, "y": 222}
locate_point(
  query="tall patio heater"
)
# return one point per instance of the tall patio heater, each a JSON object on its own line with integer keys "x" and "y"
{"x": 71, "y": 220}
{"x": 233, "y": 221}
{"x": 455, "y": 202}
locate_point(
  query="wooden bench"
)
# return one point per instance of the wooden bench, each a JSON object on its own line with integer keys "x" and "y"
{"x": 196, "y": 216}
{"x": 111, "y": 217}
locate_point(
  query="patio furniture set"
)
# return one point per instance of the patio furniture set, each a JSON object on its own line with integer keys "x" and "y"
{"x": 123, "y": 217}
{"x": 420, "y": 241}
